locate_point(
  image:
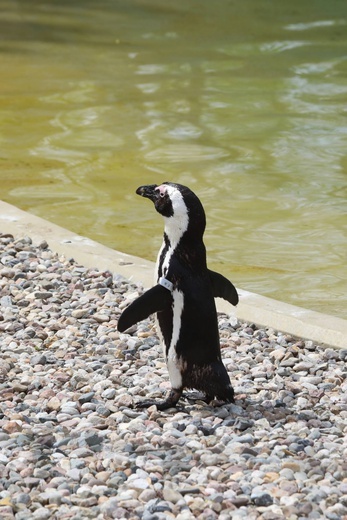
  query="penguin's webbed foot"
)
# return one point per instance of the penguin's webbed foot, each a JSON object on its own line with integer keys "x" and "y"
{"x": 161, "y": 405}
{"x": 169, "y": 402}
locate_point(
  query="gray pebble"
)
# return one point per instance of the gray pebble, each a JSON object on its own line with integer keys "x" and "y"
{"x": 110, "y": 507}
{"x": 103, "y": 411}
{"x": 261, "y": 498}
{"x": 42, "y": 513}
{"x": 86, "y": 398}
{"x": 81, "y": 452}
{"x": 21, "y": 498}
{"x": 38, "y": 359}
{"x": 43, "y": 295}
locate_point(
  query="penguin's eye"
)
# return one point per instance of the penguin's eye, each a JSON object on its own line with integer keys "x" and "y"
{"x": 162, "y": 194}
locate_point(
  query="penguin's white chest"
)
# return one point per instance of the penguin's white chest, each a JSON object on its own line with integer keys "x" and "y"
{"x": 174, "y": 363}
{"x": 174, "y": 230}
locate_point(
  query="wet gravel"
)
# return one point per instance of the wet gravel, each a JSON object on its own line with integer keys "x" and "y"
{"x": 72, "y": 446}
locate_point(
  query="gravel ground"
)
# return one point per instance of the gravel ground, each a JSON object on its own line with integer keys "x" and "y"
{"x": 73, "y": 447}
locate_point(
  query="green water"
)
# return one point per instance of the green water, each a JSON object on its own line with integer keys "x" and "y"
{"x": 244, "y": 101}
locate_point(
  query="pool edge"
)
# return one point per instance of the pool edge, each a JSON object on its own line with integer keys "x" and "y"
{"x": 299, "y": 322}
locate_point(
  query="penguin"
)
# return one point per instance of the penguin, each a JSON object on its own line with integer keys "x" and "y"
{"x": 183, "y": 299}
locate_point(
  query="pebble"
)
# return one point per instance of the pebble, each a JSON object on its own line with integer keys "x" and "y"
{"x": 72, "y": 445}
{"x": 170, "y": 494}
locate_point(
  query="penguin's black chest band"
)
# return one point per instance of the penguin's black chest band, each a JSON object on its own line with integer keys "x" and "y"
{"x": 166, "y": 283}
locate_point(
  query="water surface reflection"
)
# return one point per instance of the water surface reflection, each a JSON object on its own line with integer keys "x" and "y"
{"x": 245, "y": 102}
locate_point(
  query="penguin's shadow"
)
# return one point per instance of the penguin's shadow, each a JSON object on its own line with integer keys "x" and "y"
{"x": 242, "y": 414}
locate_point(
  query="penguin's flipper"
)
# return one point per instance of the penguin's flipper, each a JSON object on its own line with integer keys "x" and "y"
{"x": 154, "y": 300}
{"x": 223, "y": 288}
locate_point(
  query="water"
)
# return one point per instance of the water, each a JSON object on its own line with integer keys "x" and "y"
{"x": 245, "y": 102}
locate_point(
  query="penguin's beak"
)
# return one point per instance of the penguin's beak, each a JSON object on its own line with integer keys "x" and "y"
{"x": 148, "y": 191}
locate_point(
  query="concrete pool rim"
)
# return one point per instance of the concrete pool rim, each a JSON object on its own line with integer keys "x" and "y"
{"x": 303, "y": 323}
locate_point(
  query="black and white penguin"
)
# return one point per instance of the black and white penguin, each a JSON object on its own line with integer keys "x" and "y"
{"x": 183, "y": 299}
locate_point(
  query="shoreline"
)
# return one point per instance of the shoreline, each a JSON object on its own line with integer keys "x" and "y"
{"x": 297, "y": 321}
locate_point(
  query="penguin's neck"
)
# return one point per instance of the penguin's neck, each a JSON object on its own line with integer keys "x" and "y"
{"x": 188, "y": 251}
{"x": 175, "y": 228}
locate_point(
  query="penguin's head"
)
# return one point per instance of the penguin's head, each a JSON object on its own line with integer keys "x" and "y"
{"x": 180, "y": 207}
{"x": 160, "y": 196}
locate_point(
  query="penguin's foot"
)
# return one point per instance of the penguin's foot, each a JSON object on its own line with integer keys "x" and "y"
{"x": 169, "y": 402}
